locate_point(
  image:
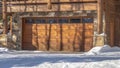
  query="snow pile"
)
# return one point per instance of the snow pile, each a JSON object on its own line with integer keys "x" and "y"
{"x": 105, "y": 48}
{"x": 102, "y": 34}
{"x": 3, "y": 49}
{"x": 94, "y": 51}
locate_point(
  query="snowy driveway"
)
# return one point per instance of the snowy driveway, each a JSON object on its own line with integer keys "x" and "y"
{"x": 47, "y": 60}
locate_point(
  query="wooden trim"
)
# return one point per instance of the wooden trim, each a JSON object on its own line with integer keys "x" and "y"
{"x": 99, "y": 16}
{"x": 11, "y": 25}
{"x": 49, "y": 4}
{"x": 4, "y": 16}
{"x": 55, "y": 7}
{"x": 57, "y": 17}
{"x": 112, "y": 33}
{"x": 52, "y": 2}
{"x": 22, "y": 27}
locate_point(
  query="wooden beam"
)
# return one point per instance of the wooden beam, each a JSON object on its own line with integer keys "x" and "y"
{"x": 11, "y": 20}
{"x": 4, "y": 16}
{"x": 0, "y": 7}
{"x": 49, "y": 4}
{"x": 52, "y": 2}
{"x": 99, "y": 17}
{"x": 55, "y": 7}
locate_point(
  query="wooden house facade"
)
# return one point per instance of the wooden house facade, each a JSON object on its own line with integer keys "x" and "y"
{"x": 62, "y": 25}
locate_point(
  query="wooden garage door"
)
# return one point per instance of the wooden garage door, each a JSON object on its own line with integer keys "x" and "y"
{"x": 57, "y": 33}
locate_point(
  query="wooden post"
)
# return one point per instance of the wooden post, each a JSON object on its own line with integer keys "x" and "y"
{"x": 4, "y": 16}
{"x": 99, "y": 16}
{"x": 49, "y": 4}
{"x": 11, "y": 25}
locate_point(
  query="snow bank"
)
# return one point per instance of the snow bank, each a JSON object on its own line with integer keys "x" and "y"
{"x": 2, "y": 49}
{"x": 36, "y": 59}
{"x": 105, "y": 48}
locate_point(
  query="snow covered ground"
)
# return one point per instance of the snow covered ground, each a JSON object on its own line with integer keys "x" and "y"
{"x": 98, "y": 57}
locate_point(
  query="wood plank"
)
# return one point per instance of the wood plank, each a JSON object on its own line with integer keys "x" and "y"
{"x": 4, "y": 17}
{"x": 88, "y": 43}
{"x": 55, "y": 7}
{"x": 52, "y": 1}
{"x": 29, "y": 46}
{"x": 89, "y": 26}
{"x": 0, "y": 7}
{"x": 0, "y": 10}
{"x": 100, "y": 17}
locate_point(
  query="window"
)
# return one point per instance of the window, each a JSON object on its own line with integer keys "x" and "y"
{"x": 75, "y": 20}
{"x": 52, "y": 21}
{"x": 63, "y": 20}
{"x": 40, "y": 21}
{"x": 29, "y": 20}
{"x": 87, "y": 20}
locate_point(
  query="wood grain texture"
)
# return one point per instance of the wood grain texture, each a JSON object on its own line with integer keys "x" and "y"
{"x": 40, "y": 5}
{"x": 71, "y": 37}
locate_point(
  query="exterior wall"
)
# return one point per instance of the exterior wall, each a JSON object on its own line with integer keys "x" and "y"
{"x": 57, "y": 5}
{"x": 117, "y": 22}
{"x": 112, "y": 17}
{"x": 0, "y": 7}
{"x": 109, "y": 20}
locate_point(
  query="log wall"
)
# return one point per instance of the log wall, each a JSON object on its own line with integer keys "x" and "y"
{"x": 57, "y": 5}
{"x": 110, "y": 20}
{"x": 117, "y": 23}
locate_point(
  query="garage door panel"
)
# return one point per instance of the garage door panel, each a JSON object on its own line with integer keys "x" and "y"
{"x": 42, "y": 40}
{"x": 68, "y": 47}
{"x": 29, "y": 27}
{"x": 28, "y": 31}
{"x": 89, "y": 26}
{"x": 29, "y": 46}
{"x": 54, "y": 47}
{"x": 42, "y": 46}
{"x": 72, "y": 26}
{"x": 54, "y": 44}
{"x": 88, "y": 47}
{"x": 42, "y": 27}
{"x": 88, "y": 43}
{"x": 52, "y": 36}
{"x": 55, "y": 26}
{"x": 29, "y": 39}
{"x": 88, "y": 33}
{"x": 65, "y": 27}
{"x": 78, "y": 47}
